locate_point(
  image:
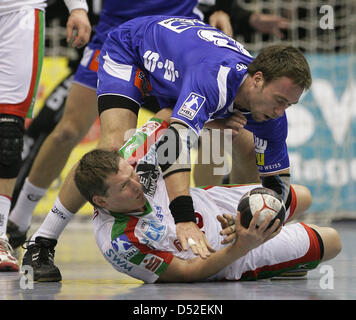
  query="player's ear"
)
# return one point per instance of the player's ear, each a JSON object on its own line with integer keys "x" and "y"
{"x": 258, "y": 79}
{"x": 99, "y": 201}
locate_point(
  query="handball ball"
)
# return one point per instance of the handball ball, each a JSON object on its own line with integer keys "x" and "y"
{"x": 263, "y": 200}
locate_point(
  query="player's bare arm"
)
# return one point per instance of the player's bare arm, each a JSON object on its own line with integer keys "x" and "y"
{"x": 78, "y": 28}
{"x": 198, "y": 269}
{"x": 176, "y": 172}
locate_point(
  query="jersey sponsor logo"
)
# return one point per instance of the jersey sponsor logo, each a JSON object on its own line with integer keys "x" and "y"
{"x": 94, "y": 61}
{"x": 260, "y": 148}
{"x": 191, "y": 106}
{"x": 148, "y": 175}
{"x": 153, "y": 230}
{"x": 178, "y": 245}
{"x": 220, "y": 39}
{"x": 117, "y": 260}
{"x": 180, "y": 25}
{"x": 240, "y": 67}
{"x": 142, "y": 83}
{"x": 149, "y": 127}
{"x": 151, "y": 262}
{"x": 159, "y": 213}
{"x": 124, "y": 247}
{"x": 271, "y": 167}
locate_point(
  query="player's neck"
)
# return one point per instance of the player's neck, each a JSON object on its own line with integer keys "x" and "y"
{"x": 242, "y": 96}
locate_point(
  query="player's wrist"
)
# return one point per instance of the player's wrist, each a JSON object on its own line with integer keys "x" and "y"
{"x": 182, "y": 209}
{"x": 76, "y": 4}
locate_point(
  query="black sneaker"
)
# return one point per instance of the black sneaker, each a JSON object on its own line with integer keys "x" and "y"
{"x": 40, "y": 256}
{"x": 16, "y": 237}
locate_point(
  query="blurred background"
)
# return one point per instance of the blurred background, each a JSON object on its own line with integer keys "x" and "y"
{"x": 322, "y": 127}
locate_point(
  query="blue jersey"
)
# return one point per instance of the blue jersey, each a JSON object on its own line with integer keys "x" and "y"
{"x": 188, "y": 65}
{"x": 116, "y": 12}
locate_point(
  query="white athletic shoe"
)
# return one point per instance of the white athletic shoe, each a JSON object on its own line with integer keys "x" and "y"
{"x": 7, "y": 261}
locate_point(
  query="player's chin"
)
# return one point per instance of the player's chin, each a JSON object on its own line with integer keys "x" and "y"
{"x": 141, "y": 199}
{"x": 260, "y": 117}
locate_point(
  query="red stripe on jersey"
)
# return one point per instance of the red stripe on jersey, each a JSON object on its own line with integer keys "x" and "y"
{"x": 20, "y": 109}
{"x": 293, "y": 204}
{"x": 142, "y": 150}
{"x": 313, "y": 254}
{"x": 130, "y": 233}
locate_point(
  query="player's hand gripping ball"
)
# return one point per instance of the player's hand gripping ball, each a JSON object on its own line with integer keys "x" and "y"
{"x": 263, "y": 200}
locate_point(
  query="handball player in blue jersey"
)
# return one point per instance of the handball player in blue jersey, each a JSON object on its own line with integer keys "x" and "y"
{"x": 79, "y": 114}
{"x": 203, "y": 75}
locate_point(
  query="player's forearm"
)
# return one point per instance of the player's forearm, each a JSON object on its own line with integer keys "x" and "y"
{"x": 199, "y": 269}
{"x": 178, "y": 184}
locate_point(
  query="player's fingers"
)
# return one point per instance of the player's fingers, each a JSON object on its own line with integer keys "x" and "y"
{"x": 253, "y": 222}
{"x": 223, "y": 221}
{"x": 274, "y": 233}
{"x": 264, "y": 225}
{"x": 82, "y": 37}
{"x": 197, "y": 247}
{"x": 69, "y": 31}
{"x": 184, "y": 243}
{"x": 238, "y": 116}
{"x": 203, "y": 250}
{"x": 274, "y": 227}
{"x": 207, "y": 246}
{"x": 238, "y": 225}
{"x": 229, "y": 238}
{"x": 229, "y": 217}
{"x": 228, "y": 230}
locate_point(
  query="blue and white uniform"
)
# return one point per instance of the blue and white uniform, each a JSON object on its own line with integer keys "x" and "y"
{"x": 189, "y": 66}
{"x": 113, "y": 14}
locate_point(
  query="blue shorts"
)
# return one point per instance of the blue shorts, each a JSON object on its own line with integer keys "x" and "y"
{"x": 86, "y": 73}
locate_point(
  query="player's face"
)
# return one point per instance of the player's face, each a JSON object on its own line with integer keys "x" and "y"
{"x": 272, "y": 99}
{"x": 125, "y": 192}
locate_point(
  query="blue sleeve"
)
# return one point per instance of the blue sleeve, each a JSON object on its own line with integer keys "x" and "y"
{"x": 270, "y": 144}
{"x": 197, "y": 101}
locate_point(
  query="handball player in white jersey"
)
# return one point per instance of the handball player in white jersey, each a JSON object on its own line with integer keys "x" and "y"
{"x": 136, "y": 233}
{"x": 21, "y": 56}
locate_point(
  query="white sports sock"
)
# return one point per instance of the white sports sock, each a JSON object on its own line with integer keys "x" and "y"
{"x": 55, "y": 222}
{"x": 26, "y": 203}
{"x": 5, "y": 204}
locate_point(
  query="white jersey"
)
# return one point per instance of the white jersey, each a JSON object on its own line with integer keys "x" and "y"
{"x": 143, "y": 244}
{"x": 8, "y": 6}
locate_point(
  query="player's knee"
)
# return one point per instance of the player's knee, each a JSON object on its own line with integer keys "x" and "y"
{"x": 66, "y": 133}
{"x": 11, "y": 145}
{"x": 331, "y": 241}
{"x": 334, "y": 244}
{"x": 304, "y": 197}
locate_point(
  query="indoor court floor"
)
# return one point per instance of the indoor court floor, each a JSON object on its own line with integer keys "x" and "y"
{"x": 87, "y": 276}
